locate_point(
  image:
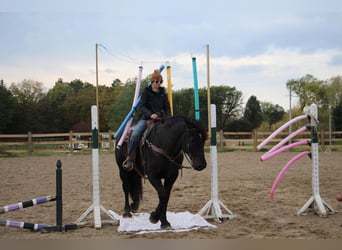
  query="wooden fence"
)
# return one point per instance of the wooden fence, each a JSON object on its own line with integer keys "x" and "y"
{"x": 77, "y": 142}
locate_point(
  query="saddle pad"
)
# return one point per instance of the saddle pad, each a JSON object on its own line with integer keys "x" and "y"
{"x": 180, "y": 222}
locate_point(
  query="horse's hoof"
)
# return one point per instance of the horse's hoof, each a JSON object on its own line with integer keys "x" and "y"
{"x": 127, "y": 215}
{"x": 166, "y": 225}
{"x": 134, "y": 207}
{"x": 154, "y": 218}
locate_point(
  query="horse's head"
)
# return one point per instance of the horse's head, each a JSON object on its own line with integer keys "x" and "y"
{"x": 193, "y": 144}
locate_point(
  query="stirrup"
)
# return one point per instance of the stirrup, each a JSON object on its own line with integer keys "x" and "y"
{"x": 127, "y": 165}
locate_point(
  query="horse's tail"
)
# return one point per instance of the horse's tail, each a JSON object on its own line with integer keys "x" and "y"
{"x": 137, "y": 191}
{"x": 131, "y": 180}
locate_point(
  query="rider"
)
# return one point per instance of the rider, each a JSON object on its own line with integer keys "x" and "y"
{"x": 154, "y": 105}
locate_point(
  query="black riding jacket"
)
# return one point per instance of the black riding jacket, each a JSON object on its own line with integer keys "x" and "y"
{"x": 154, "y": 103}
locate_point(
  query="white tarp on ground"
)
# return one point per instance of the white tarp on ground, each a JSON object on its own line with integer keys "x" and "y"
{"x": 180, "y": 222}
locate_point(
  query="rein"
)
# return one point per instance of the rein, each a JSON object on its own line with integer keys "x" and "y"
{"x": 171, "y": 158}
{"x": 163, "y": 153}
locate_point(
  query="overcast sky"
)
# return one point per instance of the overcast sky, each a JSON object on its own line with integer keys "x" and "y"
{"x": 255, "y": 46}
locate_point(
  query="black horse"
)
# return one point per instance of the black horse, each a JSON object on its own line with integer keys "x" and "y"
{"x": 160, "y": 158}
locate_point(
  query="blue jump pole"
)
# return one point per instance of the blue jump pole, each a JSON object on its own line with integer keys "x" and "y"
{"x": 131, "y": 112}
{"x": 194, "y": 70}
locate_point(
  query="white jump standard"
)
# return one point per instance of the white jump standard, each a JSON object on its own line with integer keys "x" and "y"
{"x": 96, "y": 207}
{"x": 212, "y": 210}
{"x": 315, "y": 201}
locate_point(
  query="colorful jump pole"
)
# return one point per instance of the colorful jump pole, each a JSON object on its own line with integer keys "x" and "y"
{"x": 194, "y": 71}
{"x": 25, "y": 204}
{"x": 315, "y": 201}
{"x": 131, "y": 112}
{"x": 282, "y": 149}
{"x": 129, "y": 115}
{"x": 21, "y": 224}
{"x": 212, "y": 209}
{"x": 288, "y": 138}
{"x": 169, "y": 87}
{"x": 275, "y": 133}
{"x": 284, "y": 169}
{"x": 96, "y": 206}
{"x": 136, "y": 94}
{"x": 59, "y": 227}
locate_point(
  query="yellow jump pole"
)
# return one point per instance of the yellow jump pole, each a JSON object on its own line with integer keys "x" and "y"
{"x": 169, "y": 87}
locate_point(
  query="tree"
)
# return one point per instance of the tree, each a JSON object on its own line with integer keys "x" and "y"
{"x": 337, "y": 115}
{"x": 228, "y": 103}
{"x": 271, "y": 113}
{"x": 253, "y": 112}
{"x": 27, "y": 117}
{"x": 183, "y": 102}
{"x": 309, "y": 90}
{"x": 120, "y": 107}
{"x": 8, "y": 107}
{"x": 77, "y": 108}
{"x": 54, "y": 109}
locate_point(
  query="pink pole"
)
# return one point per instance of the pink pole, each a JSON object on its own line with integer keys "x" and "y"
{"x": 136, "y": 94}
{"x": 284, "y": 126}
{"x": 289, "y": 137}
{"x": 267, "y": 156}
{"x": 284, "y": 169}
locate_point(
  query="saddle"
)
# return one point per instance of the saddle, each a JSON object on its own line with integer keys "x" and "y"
{"x": 147, "y": 131}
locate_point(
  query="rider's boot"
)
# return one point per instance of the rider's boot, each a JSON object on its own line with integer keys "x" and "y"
{"x": 128, "y": 164}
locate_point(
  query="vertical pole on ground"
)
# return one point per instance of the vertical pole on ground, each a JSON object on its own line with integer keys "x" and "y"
{"x": 59, "y": 227}
{"x": 95, "y": 158}
{"x": 315, "y": 201}
{"x": 96, "y": 206}
{"x": 212, "y": 210}
{"x": 59, "y": 201}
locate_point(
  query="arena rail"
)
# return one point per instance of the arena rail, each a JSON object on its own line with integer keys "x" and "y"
{"x": 76, "y": 142}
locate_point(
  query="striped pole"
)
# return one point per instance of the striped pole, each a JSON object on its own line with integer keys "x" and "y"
{"x": 20, "y": 224}
{"x": 95, "y": 158}
{"x": 212, "y": 210}
{"x": 96, "y": 206}
{"x": 25, "y": 204}
{"x": 197, "y": 107}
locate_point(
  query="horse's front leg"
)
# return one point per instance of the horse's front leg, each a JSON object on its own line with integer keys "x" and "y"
{"x": 164, "y": 196}
{"x": 164, "y": 223}
{"x": 160, "y": 212}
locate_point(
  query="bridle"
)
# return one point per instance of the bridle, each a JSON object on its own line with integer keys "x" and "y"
{"x": 173, "y": 159}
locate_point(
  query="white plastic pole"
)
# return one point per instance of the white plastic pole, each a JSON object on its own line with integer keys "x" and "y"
{"x": 95, "y": 161}
{"x": 212, "y": 209}
{"x": 96, "y": 206}
{"x": 136, "y": 95}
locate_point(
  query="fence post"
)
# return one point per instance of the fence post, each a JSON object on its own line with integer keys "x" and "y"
{"x": 221, "y": 139}
{"x": 71, "y": 144}
{"x": 29, "y": 143}
{"x": 110, "y": 141}
{"x": 255, "y": 138}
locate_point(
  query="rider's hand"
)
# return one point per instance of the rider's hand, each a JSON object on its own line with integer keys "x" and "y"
{"x": 154, "y": 116}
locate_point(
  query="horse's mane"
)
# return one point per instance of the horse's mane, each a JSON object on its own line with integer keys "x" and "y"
{"x": 192, "y": 122}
